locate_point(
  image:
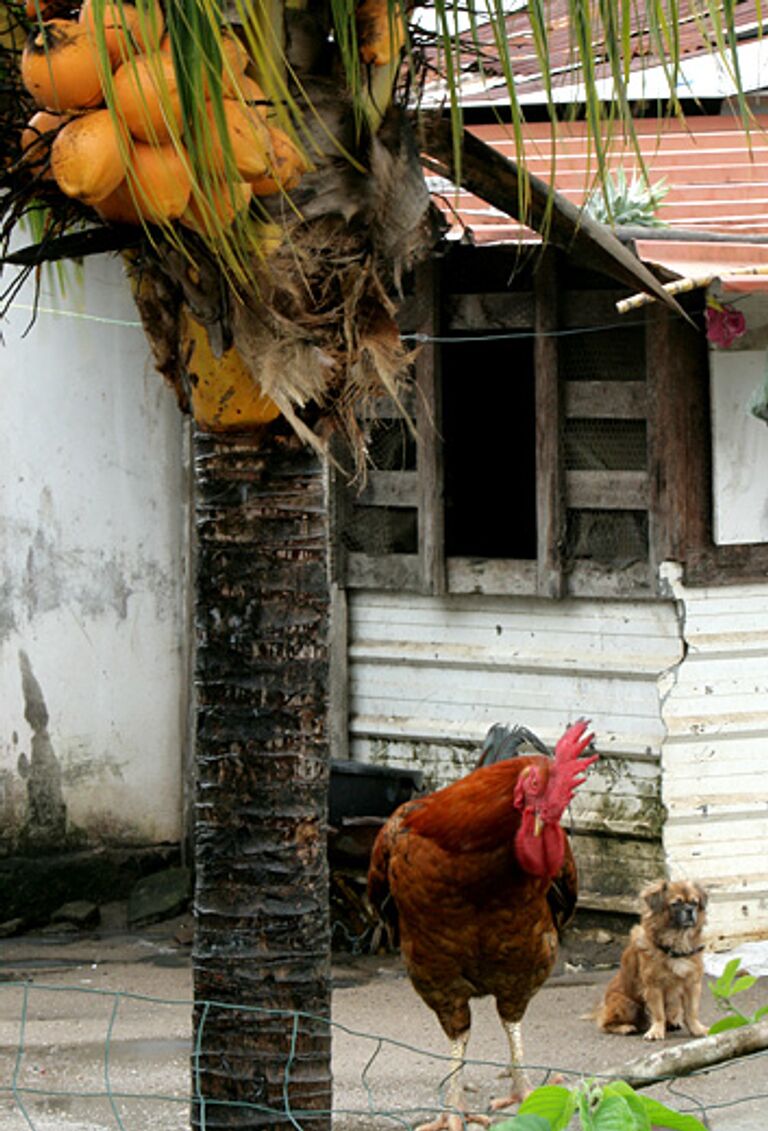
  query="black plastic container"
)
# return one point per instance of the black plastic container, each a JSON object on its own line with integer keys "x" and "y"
{"x": 361, "y": 790}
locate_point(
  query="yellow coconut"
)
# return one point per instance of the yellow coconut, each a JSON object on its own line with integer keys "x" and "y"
{"x": 159, "y": 180}
{"x": 216, "y": 207}
{"x": 246, "y": 89}
{"x": 119, "y": 207}
{"x": 380, "y": 32}
{"x": 87, "y": 156}
{"x": 60, "y": 68}
{"x": 129, "y": 28}
{"x": 147, "y": 95}
{"x": 224, "y": 395}
{"x": 285, "y": 166}
{"x": 248, "y": 136}
{"x": 37, "y": 138}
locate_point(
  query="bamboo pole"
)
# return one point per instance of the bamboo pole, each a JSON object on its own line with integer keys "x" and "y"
{"x": 692, "y": 1056}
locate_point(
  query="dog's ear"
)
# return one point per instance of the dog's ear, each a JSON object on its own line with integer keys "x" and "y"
{"x": 702, "y": 896}
{"x": 655, "y": 895}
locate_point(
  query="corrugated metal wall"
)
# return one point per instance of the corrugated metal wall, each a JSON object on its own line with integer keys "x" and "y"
{"x": 429, "y": 676}
{"x": 715, "y": 756}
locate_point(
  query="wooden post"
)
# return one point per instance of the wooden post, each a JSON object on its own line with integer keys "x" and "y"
{"x": 429, "y": 443}
{"x": 550, "y": 508}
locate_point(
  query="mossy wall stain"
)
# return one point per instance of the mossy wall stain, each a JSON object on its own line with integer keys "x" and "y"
{"x": 46, "y": 817}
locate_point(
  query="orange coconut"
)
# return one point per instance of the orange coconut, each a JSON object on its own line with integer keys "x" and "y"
{"x": 285, "y": 166}
{"x": 60, "y": 68}
{"x": 87, "y": 156}
{"x": 245, "y": 89}
{"x": 147, "y": 95}
{"x": 159, "y": 180}
{"x": 216, "y": 207}
{"x": 119, "y": 207}
{"x": 248, "y": 137}
{"x": 380, "y": 32}
{"x": 36, "y": 139}
{"x": 129, "y": 28}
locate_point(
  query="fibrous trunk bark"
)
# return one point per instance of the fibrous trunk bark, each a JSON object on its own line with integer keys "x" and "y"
{"x": 262, "y": 945}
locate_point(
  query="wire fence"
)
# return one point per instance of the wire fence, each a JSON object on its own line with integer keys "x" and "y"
{"x": 76, "y": 1058}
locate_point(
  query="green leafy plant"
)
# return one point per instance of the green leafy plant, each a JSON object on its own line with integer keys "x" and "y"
{"x": 600, "y": 1107}
{"x": 621, "y": 201}
{"x": 724, "y": 989}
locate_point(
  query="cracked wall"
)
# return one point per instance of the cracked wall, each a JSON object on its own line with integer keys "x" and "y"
{"x": 94, "y": 485}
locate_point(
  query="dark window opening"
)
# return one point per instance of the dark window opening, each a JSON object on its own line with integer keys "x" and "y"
{"x": 489, "y": 449}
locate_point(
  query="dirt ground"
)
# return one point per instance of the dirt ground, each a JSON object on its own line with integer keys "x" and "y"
{"x": 78, "y": 1011}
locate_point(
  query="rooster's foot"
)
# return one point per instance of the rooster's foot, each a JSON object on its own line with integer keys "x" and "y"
{"x": 455, "y": 1121}
{"x": 520, "y": 1093}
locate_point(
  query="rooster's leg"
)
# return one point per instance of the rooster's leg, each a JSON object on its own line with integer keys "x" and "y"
{"x": 457, "y": 1118}
{"x": 520, "y": 1084}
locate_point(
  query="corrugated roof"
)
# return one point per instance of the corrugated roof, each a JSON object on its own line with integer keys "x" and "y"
{"x": 705, "y": 79}
{"x": 715, "y": 173}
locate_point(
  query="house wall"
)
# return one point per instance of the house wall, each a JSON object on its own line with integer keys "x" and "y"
{"x": 93, "y": 574}
{"x": 739, "y": 439}
{"x": 429, "y": 676}
{"x": 714, "y": 755}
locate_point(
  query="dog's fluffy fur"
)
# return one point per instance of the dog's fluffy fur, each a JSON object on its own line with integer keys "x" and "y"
{"x": 658, "y": 985}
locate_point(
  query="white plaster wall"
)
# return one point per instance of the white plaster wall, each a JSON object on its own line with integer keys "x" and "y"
{"x": 715, "y": 711}
{"x": 739, "y": 439}
{"x": 93, "y": 560}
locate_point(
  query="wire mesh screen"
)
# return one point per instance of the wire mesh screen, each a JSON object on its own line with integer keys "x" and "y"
{"x": 616, "y": 538}
{"x": 616, "y": 355}
{"x": 605, "y": 445}
{"x": 370, "y": 526}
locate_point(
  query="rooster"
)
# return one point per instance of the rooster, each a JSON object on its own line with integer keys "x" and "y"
{"x": 481, "y": 879}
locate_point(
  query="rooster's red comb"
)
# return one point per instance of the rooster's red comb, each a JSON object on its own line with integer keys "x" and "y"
{"x": 571, "y": 765}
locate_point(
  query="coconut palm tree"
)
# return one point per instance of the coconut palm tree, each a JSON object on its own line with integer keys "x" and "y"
{"x": 266, "y": 268}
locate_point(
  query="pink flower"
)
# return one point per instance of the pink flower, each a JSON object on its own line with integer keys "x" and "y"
{"x": 724, "y": 323}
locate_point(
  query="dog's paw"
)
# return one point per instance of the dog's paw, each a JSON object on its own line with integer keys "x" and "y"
{"x": 696, "y": 1029}
{"x": 655, "y": 1033}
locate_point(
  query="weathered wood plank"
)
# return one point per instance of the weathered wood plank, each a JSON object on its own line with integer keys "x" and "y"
{"x": 389, "y": 571}
{"x": 550, "y": 512}
{"x": 390, "y": 489}
{"x": 492, "y": 575}
{"x": 607, "y": 490}
{"x": 612, "y": 400}
{"x": 678, "y": 439}
{"x": 429, "y": 459}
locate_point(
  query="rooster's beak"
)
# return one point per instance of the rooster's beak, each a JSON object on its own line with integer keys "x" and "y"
{"x": 538, "y": 824}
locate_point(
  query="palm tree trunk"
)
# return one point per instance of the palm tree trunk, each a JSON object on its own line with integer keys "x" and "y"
{"x": 262, "y": 931}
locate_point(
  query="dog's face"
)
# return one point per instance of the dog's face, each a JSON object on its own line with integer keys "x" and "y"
{"x": 675, "y": 905}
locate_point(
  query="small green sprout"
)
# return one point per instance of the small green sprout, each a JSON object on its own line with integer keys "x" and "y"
{"x": 724, "y": 989}
{"x": 600, "y": 1107}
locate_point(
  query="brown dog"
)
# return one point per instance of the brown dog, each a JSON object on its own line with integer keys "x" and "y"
{"x": 658, "y": 984}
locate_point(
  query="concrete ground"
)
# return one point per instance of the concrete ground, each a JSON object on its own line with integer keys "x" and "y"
{"x": 73, "y": 1023}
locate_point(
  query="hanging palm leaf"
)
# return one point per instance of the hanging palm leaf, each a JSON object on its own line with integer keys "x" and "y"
{"x": 268, "y": 150}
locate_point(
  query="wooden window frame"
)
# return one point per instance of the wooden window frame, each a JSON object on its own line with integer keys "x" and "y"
{"x": 675, "y": 489}
{"x": 684, "y": 494}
